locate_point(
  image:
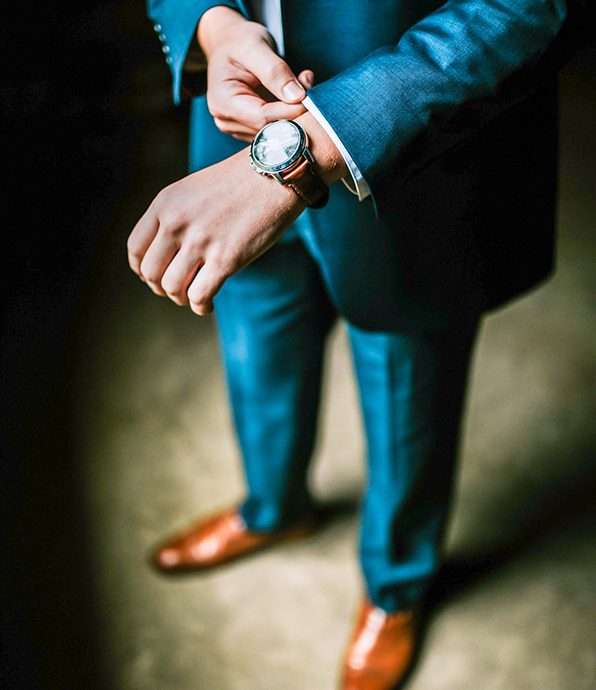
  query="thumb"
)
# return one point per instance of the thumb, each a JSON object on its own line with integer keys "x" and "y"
{"x": 274, "y": 74}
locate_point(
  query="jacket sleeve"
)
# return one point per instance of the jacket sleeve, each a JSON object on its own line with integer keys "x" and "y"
{"x": 175, "y": 22}
{"x": 463, "y": 51}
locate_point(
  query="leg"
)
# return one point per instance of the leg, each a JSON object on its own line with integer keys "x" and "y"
{"x": 273, "y": 318}
{"x": 412, "y": 388}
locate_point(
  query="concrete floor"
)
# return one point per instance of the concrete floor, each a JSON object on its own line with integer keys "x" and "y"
{"x": 515, "y": 605}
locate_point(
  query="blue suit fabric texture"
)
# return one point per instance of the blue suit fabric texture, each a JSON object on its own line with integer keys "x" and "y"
{"x": 449, "y": 111}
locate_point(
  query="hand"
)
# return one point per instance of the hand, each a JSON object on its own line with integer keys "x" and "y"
{"x": 217, "y": 220}
{"x": 245, "y": 75}
{"x": 207, "y": 226}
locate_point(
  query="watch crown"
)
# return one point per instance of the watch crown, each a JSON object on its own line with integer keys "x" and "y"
{"x": 254, "y": 167}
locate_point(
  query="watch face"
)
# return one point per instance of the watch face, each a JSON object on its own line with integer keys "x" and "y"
{"x": 278, "y": 145}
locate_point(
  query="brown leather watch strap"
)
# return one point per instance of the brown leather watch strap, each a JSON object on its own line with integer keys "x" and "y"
{"x": 305, "y": 181}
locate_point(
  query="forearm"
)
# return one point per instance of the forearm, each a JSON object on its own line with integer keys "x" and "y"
{"x": 461, "y": 52}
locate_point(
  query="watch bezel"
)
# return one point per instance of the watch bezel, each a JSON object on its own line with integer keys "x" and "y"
{"x": 280, "y": 167}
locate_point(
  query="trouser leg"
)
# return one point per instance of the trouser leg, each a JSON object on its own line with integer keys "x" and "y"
{"x": 412, "y": 387}
{"x": 273, "y": 318}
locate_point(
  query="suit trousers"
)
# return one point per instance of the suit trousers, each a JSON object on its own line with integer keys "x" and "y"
{"x": 273, "y": 319}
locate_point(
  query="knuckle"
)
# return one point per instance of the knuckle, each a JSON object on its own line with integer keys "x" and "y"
{"x": 149, "y": 272}
{"x": 170, "y": 223}
{"x": 133, "y": 249}
{"x": 151, "y": 277}
{"x": 219, "y": 264}
{"x": 196, "y": 309}
{"x": 213, "y": 107}
{"x": 161, "y": 199}
{"x": 156, "y": 290}
{"x": 223, "y": 266}
{"x": 163, "y": 208}
{"x": 258, "y": 31}
{"x": 195, "y": 296}
{"x": 276, "y": 70}
{"x": 196, "y": 244}
{"x": 171, "y": 286}
{"x": 261, "y": 121}
{"x": 223, "y": 126}
{"x": 176, "y": 297}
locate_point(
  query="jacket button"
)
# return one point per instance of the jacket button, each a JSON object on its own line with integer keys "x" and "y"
{"x": 157, "y": 28}
{"x": 162, "y": 37}
{"x": 165, "y": 49}
{"x": 169, "y": 60}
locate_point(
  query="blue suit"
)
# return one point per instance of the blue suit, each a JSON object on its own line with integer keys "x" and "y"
{"x": 449, "y": 111}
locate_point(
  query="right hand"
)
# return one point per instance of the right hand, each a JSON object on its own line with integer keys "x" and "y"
{"x": 248, "y": 84}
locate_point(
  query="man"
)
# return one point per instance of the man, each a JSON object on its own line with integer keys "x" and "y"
{"x": 441, "y": 118}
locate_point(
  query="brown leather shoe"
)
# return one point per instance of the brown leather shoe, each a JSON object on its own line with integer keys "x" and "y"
{"x": 381, "y": 651}
{"x": 220, "y": 538}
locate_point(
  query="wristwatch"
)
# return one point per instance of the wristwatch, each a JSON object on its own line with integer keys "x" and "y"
{"x": 280, "y": 150}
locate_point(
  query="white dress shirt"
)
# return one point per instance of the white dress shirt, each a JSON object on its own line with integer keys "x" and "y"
{"x": 268, "y": 13}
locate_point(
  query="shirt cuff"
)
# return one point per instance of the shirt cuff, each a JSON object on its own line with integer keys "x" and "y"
{"x": 357, "y": 184}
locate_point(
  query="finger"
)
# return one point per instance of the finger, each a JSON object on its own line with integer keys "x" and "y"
{"x": 179, "y": 275}
{"x": 273, "y": 72}
{"x": 253, "y": 113}
{"x": 140, "y": 238}
{"x": 270, "y": 112}
{"x": 243, "y": 137}
{"x": 156, "y": 260}
{"x": 204, "y": 287}
{"x": 228, "y": 126}
{"x": 247, "y": 113}
{"x": 233, "y": 103}
{"x": 306, "y": 78}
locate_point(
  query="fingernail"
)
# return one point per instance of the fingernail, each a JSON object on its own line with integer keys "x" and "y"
{"x": 308, "y": 79}
{"x": 292, "y": 90}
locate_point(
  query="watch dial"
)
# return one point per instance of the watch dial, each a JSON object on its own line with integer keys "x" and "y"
{"x": 277, "y": 143}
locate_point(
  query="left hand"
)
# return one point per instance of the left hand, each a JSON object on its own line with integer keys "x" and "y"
{"x": 206, "y": 227}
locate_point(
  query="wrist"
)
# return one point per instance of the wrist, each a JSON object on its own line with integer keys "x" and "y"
{"x": 215, "y": 24}
{"x": 264, "y": 186}
{"x": 329, "y": 162}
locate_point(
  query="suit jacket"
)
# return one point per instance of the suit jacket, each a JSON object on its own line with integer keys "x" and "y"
{"x": 449, "y": 110}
